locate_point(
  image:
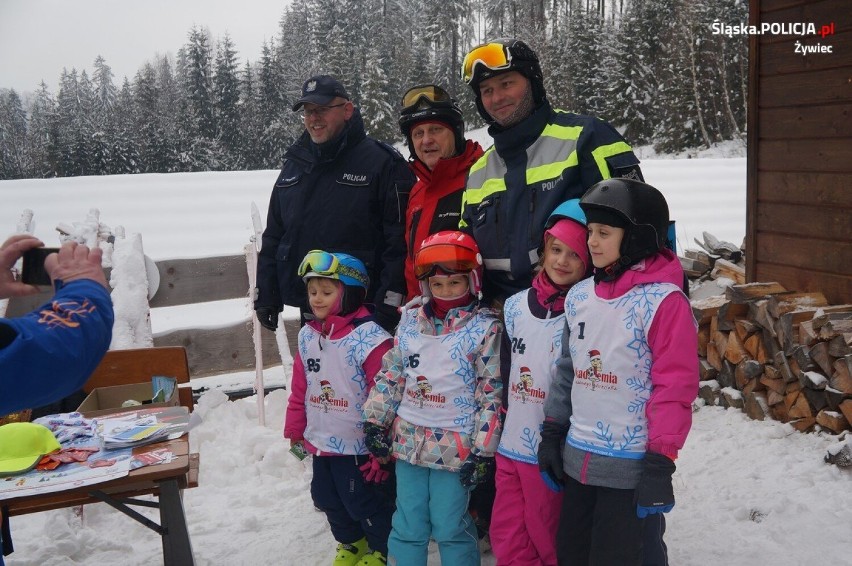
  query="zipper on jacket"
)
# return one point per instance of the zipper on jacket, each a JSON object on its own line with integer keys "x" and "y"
{"x": 532, "y": 215}
{"x": 497, "y": 220}
{"x": 584, "y": 470}
{"x": 415, "y": 220}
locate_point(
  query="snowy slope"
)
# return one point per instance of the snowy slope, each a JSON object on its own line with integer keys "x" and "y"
{"x": 748, "y": 493}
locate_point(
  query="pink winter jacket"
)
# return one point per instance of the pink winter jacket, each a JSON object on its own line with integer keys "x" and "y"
{"x": 295, "y": 420}
{"x": 669, "y": 410}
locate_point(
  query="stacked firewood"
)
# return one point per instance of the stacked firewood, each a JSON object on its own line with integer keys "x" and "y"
{"x": 714, "y": 260}
{"x": 777, "y": 353}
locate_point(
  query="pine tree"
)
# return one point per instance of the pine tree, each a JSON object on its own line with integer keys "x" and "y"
{"x": 168, "y": 103}
{"x": 226, "y": 102}
{"x": 125, "y": 157}
{"x": 583, "y": 56}
{"x": 14, "y": 161}
{"x": 376, "y": 110}
{"x": 641, "y": 51}
{"x": 41, "y": 142}
{"x": 250, "y": 120}
{"x": 67, "y": 110}
{"x": 103, "y": 103}
{"x": 104, "y": 89}
{"x": 201, "y": 155}
{"x": 148, "y": 135}
{"x": 275, "y": 136}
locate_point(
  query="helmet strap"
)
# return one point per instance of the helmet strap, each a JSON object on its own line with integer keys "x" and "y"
{"x": 613, "y": 270}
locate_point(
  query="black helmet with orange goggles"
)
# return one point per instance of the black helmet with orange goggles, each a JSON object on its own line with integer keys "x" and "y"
{"x": 501, "y": 56}
{"x": 427, "y": 103}
{"x": 495, "y": 57}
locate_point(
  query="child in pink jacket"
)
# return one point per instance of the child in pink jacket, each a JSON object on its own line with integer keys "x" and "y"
{"x": 620, "y": 406}
{"x": 526, "y": 512}
{"x": 340, "y": 353}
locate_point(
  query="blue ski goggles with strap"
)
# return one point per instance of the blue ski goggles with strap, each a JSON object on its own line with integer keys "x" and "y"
{"x": 326, "y": 264}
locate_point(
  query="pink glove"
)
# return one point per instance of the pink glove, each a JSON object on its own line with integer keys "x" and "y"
{"x": 373, "y": 471}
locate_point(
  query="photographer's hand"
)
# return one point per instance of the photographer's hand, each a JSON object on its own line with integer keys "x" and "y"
{"x": 11, "y": 250}
{"x": 76, "y": 261}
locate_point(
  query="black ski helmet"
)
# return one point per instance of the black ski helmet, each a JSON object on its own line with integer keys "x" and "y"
{"x": 637, "y": 207}
{"x": 432, "y": 108}
{"x": 519, "y": 57}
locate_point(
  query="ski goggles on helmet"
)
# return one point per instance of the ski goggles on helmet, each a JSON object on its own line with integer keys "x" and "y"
{"x": 431, "y": 94}
{"x": 326, "y": 264}
{"x": 494, "y": 56}
{"x": 448, "y": 258}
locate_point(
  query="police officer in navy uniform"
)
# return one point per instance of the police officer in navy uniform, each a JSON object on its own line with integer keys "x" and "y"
{"x": 338, "y": 190}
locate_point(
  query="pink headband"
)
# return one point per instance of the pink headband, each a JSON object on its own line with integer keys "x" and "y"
{"x": 574, "y": 235}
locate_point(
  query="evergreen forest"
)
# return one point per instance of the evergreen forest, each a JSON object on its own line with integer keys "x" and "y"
{"x": 653, "y": 68}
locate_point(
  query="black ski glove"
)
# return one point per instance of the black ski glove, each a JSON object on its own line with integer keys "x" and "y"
{"x": 550, "y": 454}
{"x": 377, "y": 441}
{"x": 268, "y": 317}
{"x": 387, "y": 316}
{"x": 475, "y": 470}
{"x": 654, "y": 494}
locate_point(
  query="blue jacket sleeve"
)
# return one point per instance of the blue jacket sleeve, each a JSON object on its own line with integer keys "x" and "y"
{"x": 57, "y": 346}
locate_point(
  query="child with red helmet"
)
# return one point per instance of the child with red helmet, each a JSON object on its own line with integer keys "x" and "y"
{"x": 339, "y": 354}
{"x": 435, "y": 406}
{"x": 526, "y": 512}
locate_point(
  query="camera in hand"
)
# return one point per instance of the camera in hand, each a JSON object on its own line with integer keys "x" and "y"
{"x": 32, "y": 270}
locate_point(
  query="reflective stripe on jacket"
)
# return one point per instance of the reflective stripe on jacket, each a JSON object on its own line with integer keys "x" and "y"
{"x": 550, "y": 157}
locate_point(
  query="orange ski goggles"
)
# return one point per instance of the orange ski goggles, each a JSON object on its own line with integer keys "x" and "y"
{"x": 494, "y": 56}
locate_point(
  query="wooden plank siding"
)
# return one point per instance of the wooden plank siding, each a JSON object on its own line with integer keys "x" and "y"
{"x": 213, "y": 351}
{"x": 799, "y": 186}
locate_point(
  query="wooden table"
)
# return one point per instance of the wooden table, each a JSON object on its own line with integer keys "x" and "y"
{"x": 164, "y": 481}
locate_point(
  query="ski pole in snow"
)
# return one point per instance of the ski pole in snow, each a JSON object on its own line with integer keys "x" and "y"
{"x": 252, "y": 250}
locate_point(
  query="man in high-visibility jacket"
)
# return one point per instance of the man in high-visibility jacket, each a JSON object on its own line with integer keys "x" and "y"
{"x": 541, "y": 157}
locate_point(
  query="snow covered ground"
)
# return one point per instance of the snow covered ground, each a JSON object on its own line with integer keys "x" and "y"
{"x": 748, "y": 493}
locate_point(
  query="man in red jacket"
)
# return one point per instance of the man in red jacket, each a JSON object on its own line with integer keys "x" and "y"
{"x": 440, "y": 157}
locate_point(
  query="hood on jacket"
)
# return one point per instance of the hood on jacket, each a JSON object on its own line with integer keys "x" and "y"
{"x": 662, "y": 267}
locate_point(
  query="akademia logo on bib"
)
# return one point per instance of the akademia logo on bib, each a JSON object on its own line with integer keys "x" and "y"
{"x": 327, "y": 399}
{"x": 525, "y": 387}
{"x": 595, "y": 376}
{"x": 421, "y": 394}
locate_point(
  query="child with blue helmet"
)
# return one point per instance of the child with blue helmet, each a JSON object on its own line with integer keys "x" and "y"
{"x": 526, "y": 513}
{"x": 340, "y": 349}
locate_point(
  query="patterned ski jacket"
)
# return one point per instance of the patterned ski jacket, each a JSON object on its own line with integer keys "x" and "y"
{"x": 52, "y": 351}
{"x": 548, "y": 158}
{"x": 439, "y": 420}
{"x": 435, "y": 204}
